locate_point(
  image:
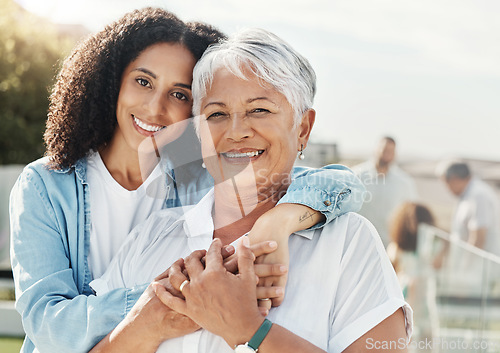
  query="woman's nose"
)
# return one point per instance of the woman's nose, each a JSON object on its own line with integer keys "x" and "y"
{"x": 239, "y": 128}
{"x": 157, "y": 105}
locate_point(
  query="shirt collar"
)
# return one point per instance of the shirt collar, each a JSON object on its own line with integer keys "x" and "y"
{"x": 199, "y": 219}
{"x": 307, "y": 233}
{"x": 80, "y": 168}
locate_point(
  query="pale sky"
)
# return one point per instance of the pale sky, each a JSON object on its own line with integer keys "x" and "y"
{"x": 426, "y": 72}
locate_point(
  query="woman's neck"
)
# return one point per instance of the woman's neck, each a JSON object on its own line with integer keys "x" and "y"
{"x": 127, "y": 166}
{"x": 237, "y": 209}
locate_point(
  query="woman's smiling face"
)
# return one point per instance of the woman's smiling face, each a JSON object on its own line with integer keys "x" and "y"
{"x": 155, "y": 92}
{"x": 245, "y": 122}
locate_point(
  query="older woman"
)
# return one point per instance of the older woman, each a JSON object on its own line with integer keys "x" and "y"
{"x": 254, "y": 93}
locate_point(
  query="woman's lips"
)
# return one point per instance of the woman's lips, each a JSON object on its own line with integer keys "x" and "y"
{"x": 144, "y": 128}
{"x": 240, "y": 157}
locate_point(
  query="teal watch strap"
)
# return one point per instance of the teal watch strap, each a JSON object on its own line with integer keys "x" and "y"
{"x": 261, "y": 333}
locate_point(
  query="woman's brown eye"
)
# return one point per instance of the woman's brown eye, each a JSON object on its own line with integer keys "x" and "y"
{"x": 143, "y": 82}
{"x": 180, "y": 96}
{"x": 215, "y": 115}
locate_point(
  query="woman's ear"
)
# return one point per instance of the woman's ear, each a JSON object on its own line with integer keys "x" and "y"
{"x": 306, "y": 126}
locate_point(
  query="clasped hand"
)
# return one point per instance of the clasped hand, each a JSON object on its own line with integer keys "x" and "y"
{"x": 222, "y": 292}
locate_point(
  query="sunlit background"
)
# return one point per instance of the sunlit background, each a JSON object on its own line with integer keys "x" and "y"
{"x": 425, "y": 72}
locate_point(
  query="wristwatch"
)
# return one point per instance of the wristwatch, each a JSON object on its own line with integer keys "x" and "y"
{"x": 252, "y": 346}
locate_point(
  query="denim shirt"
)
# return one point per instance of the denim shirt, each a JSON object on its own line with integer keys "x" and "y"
{"x": 50, "y": 232}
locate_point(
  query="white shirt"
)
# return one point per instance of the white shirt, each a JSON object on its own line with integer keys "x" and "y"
{"x": 340, "y": 284}
{"x": 385, "y": 193}
{"x": 115, "y": 211}
{"x": 478, "y": 208}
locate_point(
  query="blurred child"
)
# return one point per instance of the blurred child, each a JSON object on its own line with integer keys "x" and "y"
{"x": 413, "y": 266}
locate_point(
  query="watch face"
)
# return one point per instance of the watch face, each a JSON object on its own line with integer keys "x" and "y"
{"x": 243, "y": 348}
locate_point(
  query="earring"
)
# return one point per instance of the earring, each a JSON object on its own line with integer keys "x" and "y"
{"x": 203, "y": 165}
{"x": 301, "y": 153}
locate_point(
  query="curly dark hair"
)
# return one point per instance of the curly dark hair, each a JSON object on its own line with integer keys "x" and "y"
{"x": 82, "y": 110}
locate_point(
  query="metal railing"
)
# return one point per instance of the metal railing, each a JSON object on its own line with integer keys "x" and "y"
{"x": 462, "y": 298}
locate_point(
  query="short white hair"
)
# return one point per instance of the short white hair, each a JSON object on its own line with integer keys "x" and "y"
{"x": 268, "y": 57}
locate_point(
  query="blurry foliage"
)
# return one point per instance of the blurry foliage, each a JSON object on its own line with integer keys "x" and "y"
{"x": 7, "y": 294}
{"x": 30, "y": 52}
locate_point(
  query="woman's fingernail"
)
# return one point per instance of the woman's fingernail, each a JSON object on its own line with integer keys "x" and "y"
{"x": 229, "y": 248}
{"x": 279, "y": 291}
{"x": 273, "y": 244}
{"x": 282, "y": 269}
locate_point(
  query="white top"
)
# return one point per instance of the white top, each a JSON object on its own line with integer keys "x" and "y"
{"x": 115, "y": 211}
{"x": 340, "y": 284}
{"x": 477, "y": 208}
{"x": 385, "y": 193}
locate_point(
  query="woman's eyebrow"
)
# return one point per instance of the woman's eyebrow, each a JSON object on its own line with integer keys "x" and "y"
{"x": 214, "y": 103}
{"x": 146, "y": 71}
{"x": 183, "y": 85}
{"x": 261, "y": 98}
{"x": 250, "y": 100}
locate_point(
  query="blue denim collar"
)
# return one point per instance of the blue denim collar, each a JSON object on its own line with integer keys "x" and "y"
{"x": 80, "y": 168}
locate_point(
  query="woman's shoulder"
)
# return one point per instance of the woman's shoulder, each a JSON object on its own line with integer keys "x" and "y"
{"x": 354, "y": 234}
{"x": 353, "y": 223}
{"x": 43, "y": 167}
{"x": 39, "y": 174}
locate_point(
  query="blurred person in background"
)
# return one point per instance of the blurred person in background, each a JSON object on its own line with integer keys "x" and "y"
{"x": 411, "y": 257}
{"x": 476, "y": 219}
{"x": 387, "y": 186}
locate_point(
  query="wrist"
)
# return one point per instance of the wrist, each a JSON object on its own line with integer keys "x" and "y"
{"x": 270, "y": 226}
{"x": 131, "y": 335}
{"x": 254, "y": 343}
{"x": 283, "y": 217}
{"x": 246, "y": 333}
{"x": 296, "y": 217}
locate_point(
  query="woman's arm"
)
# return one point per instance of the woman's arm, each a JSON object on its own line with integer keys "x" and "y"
{"x": 150, "y": 322}
{"x": 225, "y": 305}
{"x": 315, "y": 197}
{"x": 58, "y": 310}
{"x": 229, "y": 308}
{"x": 332, "y": 190}
{"x": 147, "y": 325}
{"x": 388, "y": 337}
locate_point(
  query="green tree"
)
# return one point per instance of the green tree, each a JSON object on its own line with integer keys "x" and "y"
{"x": 30, "y": 52}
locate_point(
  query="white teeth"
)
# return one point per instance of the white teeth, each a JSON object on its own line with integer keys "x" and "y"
{"x": 241, "y": 155}
{"x": 147, "y": 127}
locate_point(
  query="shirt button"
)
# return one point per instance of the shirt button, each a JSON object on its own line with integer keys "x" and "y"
{"x": 327, "y": 203}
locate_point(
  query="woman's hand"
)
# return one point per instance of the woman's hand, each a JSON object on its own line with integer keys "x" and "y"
{"x": 216, "y": 299}
{"x": 177, "y": 273}
{"x": 268, "y": 288}
{"x": 278, "y": 224}
{"x": 161, "y": 322}
{"x": 147, "y": 325}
